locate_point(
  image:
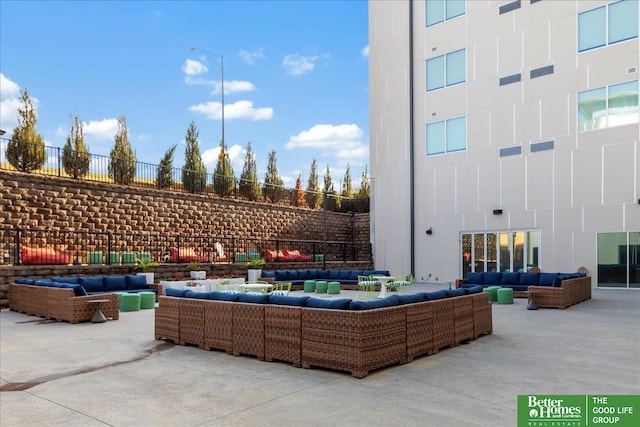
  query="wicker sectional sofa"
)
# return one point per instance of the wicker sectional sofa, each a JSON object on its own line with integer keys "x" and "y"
{"x": 297, "y": 277}
{"x": 342, "y": 334}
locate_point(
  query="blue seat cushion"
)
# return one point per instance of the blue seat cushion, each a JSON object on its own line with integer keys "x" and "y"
{"x": 344, "y": 275}
{"x": 474, "y": 278}
{"x": 546, "y": 279}
{"x": 173, "y": 292}
{"x": 197, "y": 295}
{"x": 409, "y": 299}
{"x": 268, "y": 274}
{"x": 72, "y": 280}
{"x": 115, "y": 283}
{"x": 322, "y": 274}
{"x": 510, "y": 279}
{"x": 312, "y": 273}
{"x": 434, "y": 295}
{"x": 529, "y": 279}
{"x": 336, "y": 304}
{"x": 92, "y": 284}
{"x": 292, "y": 274}
{"x": 280, "y": 275}
{"x": 354, "y": 274}
{"x": 454, "y": 292}
{"x": 25, "y": 281}
{"x": 253, "y": 298}
{"x": 287, "y": 300}
{"x": 334, "y": 274}
{"x": 382, "y": 273}
{"x": 389, "y": 301}
{"x": 223, "y": 296}
{"x": 134, "y": 281}
{"x": 491, "y": 278}
{"x": 473, "y": 289}
{"x": 303, "y": 274}
{"x": 78, "y": 290}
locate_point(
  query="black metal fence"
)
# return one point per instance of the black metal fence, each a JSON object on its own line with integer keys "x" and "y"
{"x": 146, "y": 175}
{"x": 42, "y": 246}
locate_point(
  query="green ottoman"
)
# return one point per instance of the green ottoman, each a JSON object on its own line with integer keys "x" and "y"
{"x": 493, "y": 292}
{"x": 333, "y": 287}
{"x": 129, "y": 302}
{"x": 321, "y": 287}
{"x": 309, "y": 285}
{"x": 505, "y": 296}
{"x": 147, "y": 300}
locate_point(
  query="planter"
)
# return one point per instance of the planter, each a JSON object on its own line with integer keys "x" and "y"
{"x": 150, "y": 277}
{"x": 199, "y": 275}
{"x": 253, "y": 275}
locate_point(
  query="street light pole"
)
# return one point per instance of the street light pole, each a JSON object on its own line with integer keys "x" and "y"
{"x": 215, "y": 56}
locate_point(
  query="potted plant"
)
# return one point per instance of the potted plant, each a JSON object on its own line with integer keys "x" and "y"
{"x": 144, "y": 265}
{"x": 254, "y": 269}
{"x": 196, "y": 273}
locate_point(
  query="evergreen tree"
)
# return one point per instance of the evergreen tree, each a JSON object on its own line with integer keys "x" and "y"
{"x": 273, "y": 184}
{"x": 75, "y": 155}
{"x": 122, "y": 164}
{"x": 365, "y": 185}
{"x": 25, "y": 150}
{"x": 164, "y": 178}
{"x": 224, "y": 179}
{"x": 347, "y": 188}
{"x": 313, "y": 195}
{"x": 194, "y": 173}
{"x": 329, "y": 192}
{"x": 249, "y": 185}
{"x": 298, "y": 194}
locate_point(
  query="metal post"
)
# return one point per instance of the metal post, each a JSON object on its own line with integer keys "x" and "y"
{"x": 16, "y": 255}
{"x": 324, "y": 230}
{"x": 108, "y": 248}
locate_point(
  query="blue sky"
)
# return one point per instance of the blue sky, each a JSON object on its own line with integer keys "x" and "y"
{"x": 295, "y": 73}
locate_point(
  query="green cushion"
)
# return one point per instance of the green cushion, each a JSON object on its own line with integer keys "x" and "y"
{"x": 129, "y": 302}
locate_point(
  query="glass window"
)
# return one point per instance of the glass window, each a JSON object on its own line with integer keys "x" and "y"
{"x": 623, "y": 104}
{"x": 435, "y": 138}
{"x": 478, "y": 253}
{"x": 592, "y": 109}
{"x": 435, "y": 73}
{"x": 456, "y": 134}
{"x": 611, "y": 106}
{"x": 623, "y": 20}
{"x": 456, "y": 67}
{"x": 592, "y": 27}
{"x": 454, "y": 8}
{"x": 435, "y": 11}
{"x": 503, "y": 251}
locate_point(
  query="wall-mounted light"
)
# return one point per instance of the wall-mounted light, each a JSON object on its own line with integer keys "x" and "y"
{"x": 429, "y": 231}
{"x": 497, "y": 211}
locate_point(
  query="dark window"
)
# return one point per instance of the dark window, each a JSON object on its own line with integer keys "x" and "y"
{"x": 510, "y": 151}
{"x": 510, "y": 79}
{"x": 541, "y": 146}
{"x": 509, "y": 7}
{"x": 542, "y": 71}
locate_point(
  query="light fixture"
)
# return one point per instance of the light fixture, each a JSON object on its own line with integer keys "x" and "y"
{"x": 497, "y": 211}
{"x": 429, "y": 231}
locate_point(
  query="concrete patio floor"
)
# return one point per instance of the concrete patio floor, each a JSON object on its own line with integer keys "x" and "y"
{"x": 116, "y": 374}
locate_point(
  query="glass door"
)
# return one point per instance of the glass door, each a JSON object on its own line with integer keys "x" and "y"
{"x": 619, "y": 260}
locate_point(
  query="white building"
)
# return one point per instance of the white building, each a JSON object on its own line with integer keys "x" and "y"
{"x": 504, "y": 134}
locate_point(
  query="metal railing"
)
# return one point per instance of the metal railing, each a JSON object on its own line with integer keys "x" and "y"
{"x": 43, "y": 246}
{"x": 147, "y": 175}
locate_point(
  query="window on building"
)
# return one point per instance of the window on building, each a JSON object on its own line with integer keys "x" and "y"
{"x": 447, "y": 136}
{"x": 610, "y": 106}
{"x": 608, "y": 24}
{"x": 440, "y": 10}
{"x": 446, "y": 70}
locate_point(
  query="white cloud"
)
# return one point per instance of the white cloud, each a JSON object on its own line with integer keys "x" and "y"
{"x": 103, "y": 129}
{"x": 297, "y": 65}
{"x": 344, "y": 142}
{"x": 143, "y": 138}
{"x": 237, "y": 110}
{"x": 236, "y": 155}
{"x": 194, "y": 68}
{"x": 236, "y": 86}
{"x": 251, "y": 57}
{"x": 9, "y": 103}
{"x": 365, "y": 51}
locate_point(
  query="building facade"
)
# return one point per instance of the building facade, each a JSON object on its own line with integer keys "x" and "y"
{"x": 504, "y": 135}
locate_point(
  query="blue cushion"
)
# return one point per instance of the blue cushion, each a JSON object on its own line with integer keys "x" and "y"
{"x": 389, "y": 301}
{"x": 72, "y": 280}
{"x": 382, "y": 273}
{"x": 303, "y": 274}
{"x": 268, "y": 273}
{"x": 519, "y": 287}
{"x": 223, "y": 296}
{"x": 491, "y": 278}
{"x": 44, "y": 282}
{"x": 474, "y": 278}
{"x": 292, "y": 274}
{"x": 367, "y": 272}
{"x": 135, "y": 291}
{"x": 197, "y": 295}
{"x": 454, "y": 292}
{"x": 280, "y": 275}
{"x": 312, "y": 273}
{"x": 546, "y": 279}
{"x": 354, "y": 274}
{"x": 92, "y": 284}
{"x": 529, "y": 279}
{"x": 78, "y": 290}
{"x": 286, "y": 300}
{"x": 473, "y": 289}
{"x": 254, "y": 298}
{"x": 557, "y": 281}
{"x": 136, "y": 282}
{"x": 334, "y": 274}
{"x": 322, "y": 274}
{"x": 344, "y": 275}
{"x": 25, "y": 281}
{"x": 510, "y": 279}
{"x": 115, "y": 283}
{"x": 409, "y": 299}
{"x": 173, "y": 292}
{"x": 435, "y": 295}
{"x": 337, "y": 304}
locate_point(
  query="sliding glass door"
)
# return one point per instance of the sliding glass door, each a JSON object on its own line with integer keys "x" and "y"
{"x": 619, "y": 259}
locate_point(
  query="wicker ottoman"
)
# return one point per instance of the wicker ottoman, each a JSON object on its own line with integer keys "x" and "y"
{"x": 321, "y": 287}
{"x": 505, "y": 296}
{"x": 129, "y": 302}
{"x": 333, "y": 288}
{"x": 309, "y": 285}
{"x": 147, "y": 300}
